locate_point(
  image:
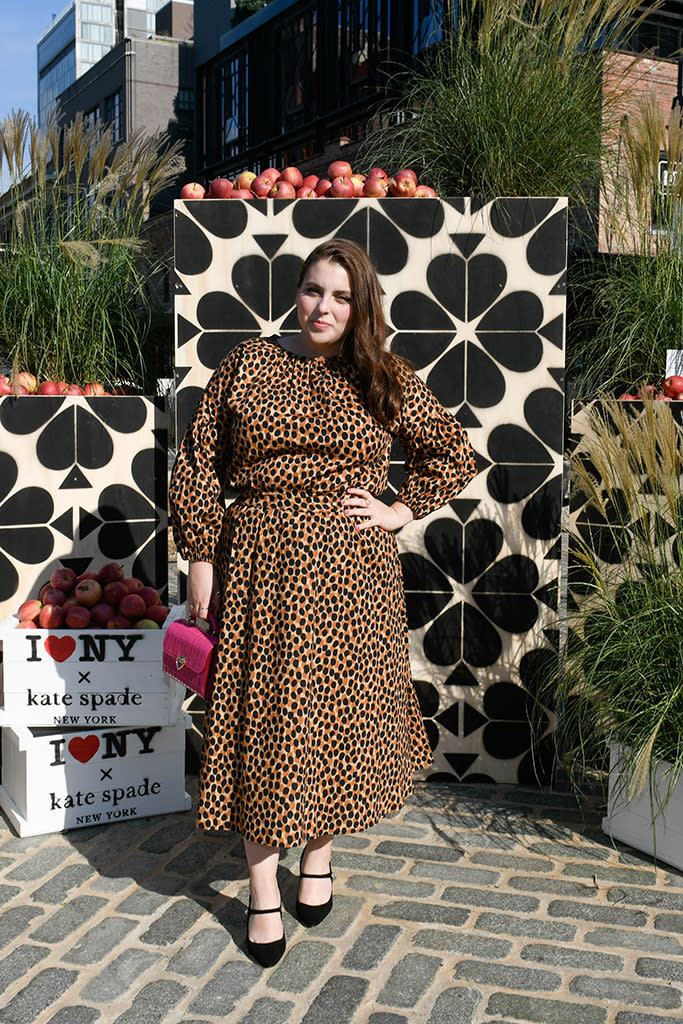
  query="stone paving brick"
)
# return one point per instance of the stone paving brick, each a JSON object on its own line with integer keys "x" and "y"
{"x": 629, "y": 992}
{"x": 483, "y": 898}
{"x": 669, "y": 923}
{"x": 75, "y": 1015}
{"x": 409, "y": 980}
{"x": 117, "y": 977}
{"x": 230, "y": 983}
{"x": 100, "y": 941}
{"x": 164, "y": 839}
{"x": 416, "y": 851}
{"x": 15, "y": 921}
{"x": 371, "y": 947}
{"x": 649, "y": 967}
{"x": 455, "y": 873}
{"x": 567, "y": 956}
{"x": 598, "y": 914}
{"x": 387, "y": 1018}
{"x": 8, "y": 892}
{"x": 563, "y": 850}
{"x": 153, "y": 1003}
{"x": 344, "y": 912}
{"x": 143, "y": 902}
{"x": 631, "y": 876}
{"x": 429, "y": 913}
{"x": 268, "y": 1011}
{"x": 5, "y": 862}
{"x": 504, "y": 924}
{"x": 512, "y": 862}
{"x": 641, "y": 941}
{"x": 390, "y": 828}
{"x": 193, "y": 858}
{"x": 110, "y": 843}
{"x": 462, "y": 942}
{"x": 627, "y": 1017}
{"x": 337, "y": 1001}
{"x": 173, "y": 923}
{"x": 30, "y": 869}
{"x": 128, "y": 871}
{"x": 450, "y": 822}
{"x": 68, "y": 918}
{"x": 507, "y": 976}
{"x": 554, "y": 886}
{"x": 366, "y": 862}
{"x": 37, "y": 995}
{"x": 300, "y": 967}
{"x": 203, "y": 948}
{"x": 57, "y": 889}
{"x": 390, "y": 886}
{"x": 455, "y": 1006}
{"x": 20, "y": 961}
{"x": 647, "y": 898}
{"x": 544, "y": 1011}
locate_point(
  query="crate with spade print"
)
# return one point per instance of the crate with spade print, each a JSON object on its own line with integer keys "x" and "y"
{"x": 61, "y": 778}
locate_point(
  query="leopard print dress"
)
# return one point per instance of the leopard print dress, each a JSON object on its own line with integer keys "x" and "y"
{"x": 314, "y": 726}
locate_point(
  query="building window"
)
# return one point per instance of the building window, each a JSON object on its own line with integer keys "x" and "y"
{"x": 358, "y": 39}
{"x": 112, "y": 114}
{"x": 185, "y": 111}
{"x": 298, "y": 60}
{"x": 234, "y": 87}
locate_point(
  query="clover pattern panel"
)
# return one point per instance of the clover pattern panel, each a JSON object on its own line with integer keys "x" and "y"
{"x": 475, "y": 297}
{"x": 83, "y": 481}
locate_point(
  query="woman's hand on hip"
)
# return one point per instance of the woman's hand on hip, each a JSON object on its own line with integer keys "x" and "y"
{"x": 201, "y": 589}
{"x": 367, "y": 510}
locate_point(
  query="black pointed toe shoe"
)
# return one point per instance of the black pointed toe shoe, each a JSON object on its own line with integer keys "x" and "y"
{"x": 266, "y": 954}
{"x": 312, "y": 914}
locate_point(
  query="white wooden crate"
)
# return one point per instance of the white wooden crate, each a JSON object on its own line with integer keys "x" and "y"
{"x": 640, "y": 822}
{"x": 53, "y": 779}
{"x": 90, "y": 678}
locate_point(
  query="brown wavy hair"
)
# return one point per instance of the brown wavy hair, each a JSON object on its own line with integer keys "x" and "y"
{"x": 363, "y": 346}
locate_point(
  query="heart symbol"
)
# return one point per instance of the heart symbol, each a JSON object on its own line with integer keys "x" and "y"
{"x": 83, "y": 747}
{"x": 60, "y": 647}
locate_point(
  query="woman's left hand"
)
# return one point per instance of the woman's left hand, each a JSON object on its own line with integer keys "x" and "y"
{"x": 370, "y": 511}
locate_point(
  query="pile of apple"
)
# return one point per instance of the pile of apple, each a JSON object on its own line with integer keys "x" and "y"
{"x": 342, "y": 182}
{"x": 103, "y": 600}
{"x": 25, "y": 383}
{"x": 672, "y": 391}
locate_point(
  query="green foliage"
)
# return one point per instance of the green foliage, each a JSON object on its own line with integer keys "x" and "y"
{"x": 509, "y": 103}
{"x": 245, "y": 8}
{"x": 74, "y": 302}
{"x": 621, "y": 677}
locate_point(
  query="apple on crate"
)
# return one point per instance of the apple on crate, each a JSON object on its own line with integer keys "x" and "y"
{"x": 192, "y": 190}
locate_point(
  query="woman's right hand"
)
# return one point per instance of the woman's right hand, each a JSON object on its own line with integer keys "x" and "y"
{"x": 201, "y": 589}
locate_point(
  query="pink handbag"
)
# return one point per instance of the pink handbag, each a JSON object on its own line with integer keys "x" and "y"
{"x": 189, "y": 654}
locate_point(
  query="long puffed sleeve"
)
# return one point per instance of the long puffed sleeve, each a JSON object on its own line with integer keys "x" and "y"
{"x": 196, "y": 492}
{"x": 439, "y": 459}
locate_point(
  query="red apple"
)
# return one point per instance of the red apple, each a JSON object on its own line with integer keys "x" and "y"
{"x": 114, "y": 592}
{"x": 272, "y": 173}
{"x": 192, "y": 190}
{"x": 53, "y": 595}
{"x": 293, "y": 175}
{"x": 70, "y": 602}
{"x": 94, "y": 388}
{"x": 282, "y": 190}
{"x": 244, "y": 180}
{"x": 377, "y": 172}
{"x": 375, "y": 187}
{"x": 220, "y": 188}
{"x": 339, "y": 169}
{"x": 402, "y": 185}
{"x": 150, "y": 596}
{"x": 19, "y": 389}
{"x": 261, "y": 185}
{"x": 29, "y": 610}
{"x": 411, "y": 172}
{"x": 342, "y": 188}
{"x": 310, "y": 181}
{"x": 306, "y": 193}
{"x": 101, "y": 613}
{"x": 147, "y": 624}
{"x": 425, "y": 192}
{"x": 323, "y": 187}
{"x": 77, "y": 617}
{"x": 133, "y": 584}
{"x": 27, "y": 624}
{"x": 88, "y": 592}
{"x": 51, "y": 617}
{"x": 358, "y": 182}
{"x": 5, "y": 388}
{"x": 64, "y": 579}
{"x": 49, "y": 387}
{"x": 119, "y": 622}
{"x": 132, "y": 606}
{"x": 242, "y": 193}
{"x": 109, "y": 572}
{"x": 673, "y": 386}
{"x": 627, "y": 397}
{"x": 88, "y": 576}
{"x": 27, "y": 380}
{"x": 158, "y": 613}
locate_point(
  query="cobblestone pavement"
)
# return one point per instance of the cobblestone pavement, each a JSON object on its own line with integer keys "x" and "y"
{"x": 473, "y": 905}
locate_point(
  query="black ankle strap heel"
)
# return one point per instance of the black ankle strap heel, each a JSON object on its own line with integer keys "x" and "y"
{"x": 266, "y": 954}
{"x": 312, "y": 914}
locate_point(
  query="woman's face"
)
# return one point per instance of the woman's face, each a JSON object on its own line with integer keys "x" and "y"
{"x": 324, "y": 306}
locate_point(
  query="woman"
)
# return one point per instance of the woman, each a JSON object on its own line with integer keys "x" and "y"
{"x": 314, "y": 729}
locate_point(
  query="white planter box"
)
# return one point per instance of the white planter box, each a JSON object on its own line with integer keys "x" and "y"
{"x": 639, "y": 822}
{"x": 91, "y": 678}
{"x": 55, "y": 779}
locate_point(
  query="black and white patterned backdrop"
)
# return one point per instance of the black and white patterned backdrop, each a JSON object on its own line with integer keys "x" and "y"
{"x": 475, "y": 297}
{"x": 83, "y": 481}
